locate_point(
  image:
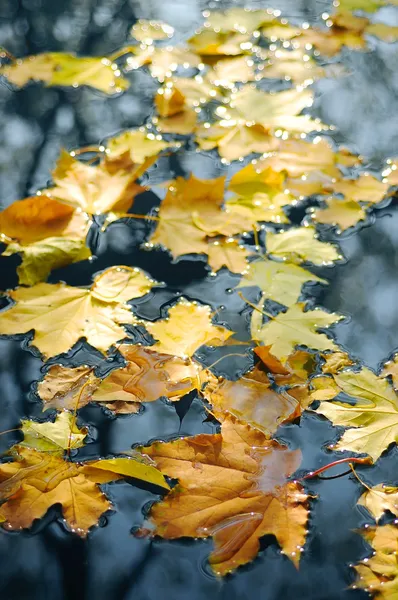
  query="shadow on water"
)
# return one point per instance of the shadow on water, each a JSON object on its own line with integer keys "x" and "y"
{"x": 48, "y": 563}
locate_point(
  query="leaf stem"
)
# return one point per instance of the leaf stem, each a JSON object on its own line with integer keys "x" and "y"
{"x": 74, "y": 416}
{"x": 254, "y": 306}
{"x": 361, "y": 461}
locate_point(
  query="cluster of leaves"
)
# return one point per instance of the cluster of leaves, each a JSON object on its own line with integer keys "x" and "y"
{"x": 235, "y": 485}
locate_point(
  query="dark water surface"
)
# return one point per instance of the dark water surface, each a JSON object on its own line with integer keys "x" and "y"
{"x": 47, "y": 562}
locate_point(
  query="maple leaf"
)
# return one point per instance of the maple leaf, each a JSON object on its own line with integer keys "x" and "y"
{"x": 174, "y": 337}
{"x": 281, "y": 282}
{"x": 61, "y": 69}
{"x": 148, "y": 31}
{"x": 345, "y": 29}
{"x": 232, "y": 486}
{"x": 190, "y": 213}
{"x": 227, "y": 253}
{"x": 379, "y": 573}
{"x": 94, "y": 190}
{"x": 46, "y": 233}
{"x": 292, "y": 65}
{"x": 147, "y": 376}
{"x": 231, "y": 70}
{"x": 364, "y": 189}
{"x": 57, "y": 436}
{"x": 37, "y": 480}
{"x": 373, "y": 422}
{"x": 238, "y": 19}
{"x": 301, "y": 244}
{"x": 342, "y": 213}
{"x": 391, "y": 368}
{"x": 380, "y": 499}
{"x": 134, "y": 148}
{"x": 235, "y": 139}
{"x": 60, "y": 315}
{"x": 252, "y": 399}
{"x": 208, "y": 43}
{"x": 295, "y": 327}
{"x": 335, "y": 362}
{"x": 162, "y": 62}
{"x": 176, "y": 116}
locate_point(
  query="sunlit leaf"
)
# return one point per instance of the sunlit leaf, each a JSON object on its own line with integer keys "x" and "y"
{"x": 300, "y": 244}
{"x": 175, "y": 337}
{"x": 56, "y": 68}
{"x": 149, "y": 31}
{"x": 239, "y": 19}
{"x": 364, "y": 189}
{"x": 67, "y": 387}
{"x": 380, "y": 499}
{"x": 230, "y": 70}
{"x": 58, "y": 436}
{"x": 60, "y": 315}
{"x": 211, "y": 43}
{"x": 227, "y": 253}
{"x": 162, "y": 62}
{"x": 134, "y": 148}
{"x": 176, "y": 116}
{"x": 232, "y": 486}
{"x": 343, "y": 213}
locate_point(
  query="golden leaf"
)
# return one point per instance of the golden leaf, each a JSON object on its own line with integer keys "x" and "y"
{"x": 231, "y": 70}
{"x": 93, "y": 189}
{"x": 364, "y": 189}
{"x": 148, "y": 31}
{"x": 346, "y": 30}
{"x": 253, "y": 179}
{"x": 379, "y": 499}
{"x": 238, "y": 19}
{"x": 134, "y": 148}
{"x": 192, "y": 212}
{"x": 208, "y": 43}
{"x": 53, "y": 437}
{"x": 67, "y": 387}
{"x": 281, "y": 282}
{"x": 324, "y": 388}
{"x": 162, "y": 62}
{"x": 296, "y": 370}
{"x": 187, "y": 327}
{"x": 379, "y": 572}
{"x": 300, "y": 244}
{"x": 294, "y": 327}
{"x": 60, "y": 315}
{"x": 252, "y": 400}
{"x": 56, "y": 68}
{"x": 260, "y": 207}
{"x": 391, "y": 368}
{"x": 37, "y": 480}
{"x": 227, "y": 253}
{"x": 176, "y": 116}
{"x": 373, "y": 421}
{"x": 335, "y": 362}
{"x": 232, "y": 486}
{"x": 292, "y": 65}
{"x": 342, "y": 213}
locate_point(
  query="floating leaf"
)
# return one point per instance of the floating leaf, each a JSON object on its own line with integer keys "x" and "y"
{"x": 56, "y": 68}
{"x": 231, "y": 70}
{"x": 364, "y": 189}
{"x": 60, "y": 315}
{"x": 162, "y": 62}
{"x": 373, "y": 421}
{"x": 343, "y": 213}
{"x": 391, "y": 368}
{"x": 380, "y": 499}
{"x": 292, "y": 65}
{"x": 238, "y": 19}
{"x": 175, "y": 337}
{"x": 280, "y": 282}
{"x": 148, "y": 31}
{"x": 300, "y": 244}
{"x": 134, "y": 148}
{"x": 232, "y": 486}
{"x": 67, "y": 387}
{"x": 212, "y": 43}
{"x": 176, "y": 116}
{"x": 58, "y": 436}
{"x": 227, "y": 253}
{"x": 37, "y": 480}
{"x": 295, "y": 327}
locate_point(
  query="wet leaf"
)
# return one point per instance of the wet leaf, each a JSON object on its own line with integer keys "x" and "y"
{"x": 162, "y": 62}
{"x": 301, "y": 244}
{"x": 192, "y": 212}
{"x": 364, "y": 189}
{"x": 93, "y": 189}
{"x": 252, "y": 399}
{"x": 380, "y": 499}
{"x": 379, "y": 572}
{"x": 295, "y": 327}
{"x": 212, "y": 43}
{"x": 335, "y": 362}
{"x": 174, "y": 337}
{"x": 60, "y": 315}
{"x": 134, "y": 148}
{"x": 342, "y": 213}
{"x": 149, "y": 31}
{"x": 232, "y": 486}
{"x": 281, "y": 282}
{"x": 227, "y": 253}
{"x": 372, "y": 419}
{"x": 292, "y": 65}
{"x": 67, "y": 387}
{"x": 61, "y": 69}
{"x": 324, "y": 388}
{"x": 345, "y": 29}
{"x": 238, "y": 19}
{"x": 55, "y": 436}
{"x": 231, "y": 70}
{"x": 37, "y": 480}
{"x": 391, "y": 368}
{"x": 176, "y": 116}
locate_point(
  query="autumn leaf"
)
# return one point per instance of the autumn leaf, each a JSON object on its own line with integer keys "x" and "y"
{"x": 46, "y": 233}
{"x": 162, "y": 62}
{"x": 37, "y": 480}
{"x": 57, "y": 436}
{"x": 335, "y": 362}
{"x": 92, "y": 189}
{"x": 252, "y": 399}
{"x": 147, "y": 376}
{"x": 232, "y": 486}
{"x": 231, "y": 70}
{"x": 372, "y": 419}
{"x": 379, "y": 573}
{"x": 341, "y": 213}
{"x": 285, "y": 331}
{"x": 391, "y": 368}
{"x": 176, "y": 338}
{"x": 281, "y": 282}
{"x": 61, "y": 69}
{"x": 301, "y": 244}
{"x": 227, "y": 253}
{"x": 60, "y": 315}
{"x": 149, "y": 31}
{"x": 380, "y": 499}
{"x": 176, "y": 116}
{"x": 134, "y": 148}
{"x": 239, "y": 19}
{"x": 296, "y": 370}
{"x": 191, "y": 213}
{"x": 208, "y": 43}
{"x": 364, "y": 189}
{"x": 345, "y": 29}
{"x": 291, "y": 65}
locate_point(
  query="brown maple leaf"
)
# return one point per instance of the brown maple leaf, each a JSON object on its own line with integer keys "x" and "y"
{"x": 232, "y": 486}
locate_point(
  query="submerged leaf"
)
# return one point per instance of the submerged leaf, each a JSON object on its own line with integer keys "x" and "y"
{"x": 232, "y": 486}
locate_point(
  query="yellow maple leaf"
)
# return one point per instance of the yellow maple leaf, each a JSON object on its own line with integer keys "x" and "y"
{"x": 342, "y": 213}
{"x": 364, "y": 189}
{"x": 57, "y": 436}
{"x": 281, "y": 282}
{"x": 232, "y": 486}
{"x": 227, "y": 253}
{"x": 174, "y": 335}
{"x": 148, "y": 31}
{"x": 301, "y": 244}
{"x": 61, "y": 69}
{"x": 60, "y": 315}
{"x": 135, "y": 148}
{"x": 208, "y": 43}
{"x": 162, "y": 62}
{"x": 94, "y": 190}
{"x": 373, "y": 420}
{"x": 176, "y": 116}
{"x": 380, "y": 499}
{"x": 295, "y": 327}
{"x": 238, "y": 19}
